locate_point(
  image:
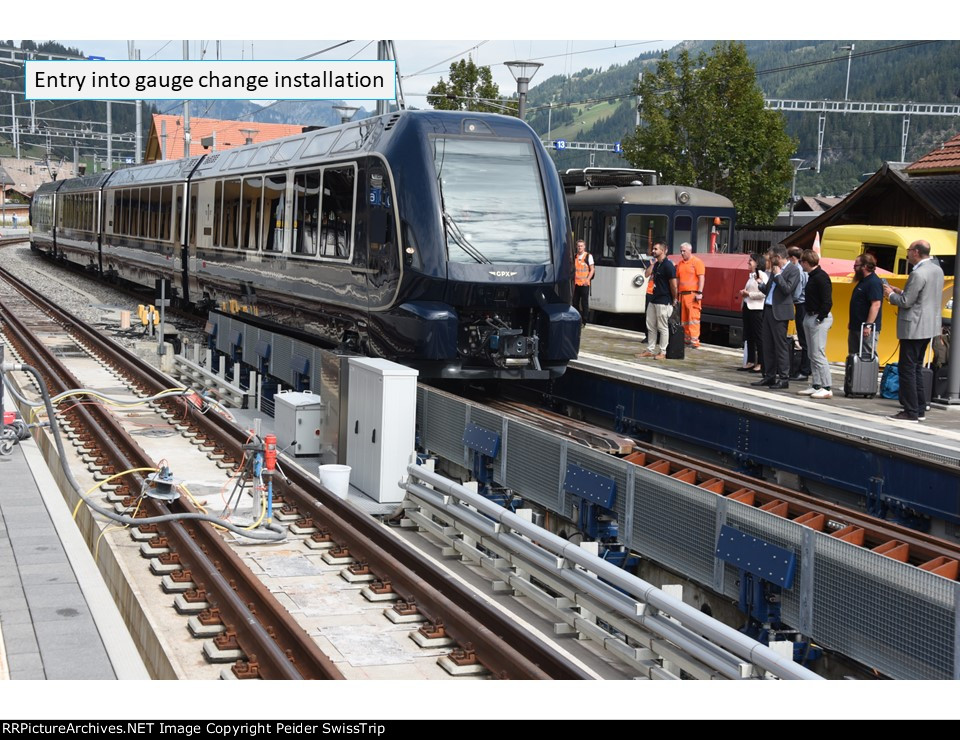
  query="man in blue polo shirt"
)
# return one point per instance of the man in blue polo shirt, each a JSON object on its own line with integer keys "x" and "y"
{"x": 866, "y": 303}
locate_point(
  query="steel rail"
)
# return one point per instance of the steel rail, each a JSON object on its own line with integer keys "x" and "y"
{"x": 264, "y": 629}
{"x": 508, "y": 650}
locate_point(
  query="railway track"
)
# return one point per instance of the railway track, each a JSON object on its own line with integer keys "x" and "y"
{"x": 893, "y": 540}
{"x": 270, "y": 642}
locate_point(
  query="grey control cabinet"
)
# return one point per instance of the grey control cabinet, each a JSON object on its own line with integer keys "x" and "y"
{"x": 381, "y": 426}
{"x": 298, "y": 418}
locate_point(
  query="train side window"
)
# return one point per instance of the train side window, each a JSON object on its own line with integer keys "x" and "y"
{"x": 217, "y": 211}
{"x": 886, "y": 256}
{"x": 153, "y": 213}
{"x": 336, "y": 226}
{"x": 274, "y": 187}
{"x": 705, "y": 227}
{"x": 306, "y": 209}
{"x": 136, "y": 212}
{"x": 231, "y": 214}
{"x": 119, "y": 208}
{"x": 250, "y": 212}
{"x": 610, "y": 238}
{"x": 177, "y": 205}
{"x": 166, "y": 213}
{"x": 683, "y": 231}
{"x": 192, "y": 215}
{"x": 320, "y": 144}
{"x": 643, "y": 231}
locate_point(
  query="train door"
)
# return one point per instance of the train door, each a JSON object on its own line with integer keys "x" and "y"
{"x": 600, "y": 232}
{"x": 381, "y": 243}
{"x": 207, "y": 212}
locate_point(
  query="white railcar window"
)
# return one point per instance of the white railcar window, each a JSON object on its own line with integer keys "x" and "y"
{"x": 306, "y": 212}
{"x": 643, "y": 231}
{"x": 264, "y": 153}
{"x": 274, "y": 189}
{"x": 287, "y": 150}
{"x": 250, "y": 218}
{"x": 320, "y": 144}
{"x": 337, "y": 211}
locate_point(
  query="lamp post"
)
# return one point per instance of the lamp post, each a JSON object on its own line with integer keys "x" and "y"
{"x": 523, "y": 72}
{"x": 846, "y": 90}
{"x": 346, "y": 112}
{"x": 797, "y": 167}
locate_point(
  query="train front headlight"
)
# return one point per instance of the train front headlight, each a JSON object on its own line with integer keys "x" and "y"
{"x": 638, "y": 281}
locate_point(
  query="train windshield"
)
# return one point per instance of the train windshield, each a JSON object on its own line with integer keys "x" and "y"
{"x": 493, "y": 207}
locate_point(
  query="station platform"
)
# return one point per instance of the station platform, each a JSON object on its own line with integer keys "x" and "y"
{"x": 57, "y": 619}
{"x": 719, "y": 364}
{"x": 908, "y": 472}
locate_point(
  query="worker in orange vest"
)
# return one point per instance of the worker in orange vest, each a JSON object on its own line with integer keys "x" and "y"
{"x": 690, "y": 278}
{"x": 582, "y": 277}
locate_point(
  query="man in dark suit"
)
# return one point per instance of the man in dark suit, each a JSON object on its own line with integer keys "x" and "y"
{"x": 918, "y": 321}
{"x": 778, "y": 311}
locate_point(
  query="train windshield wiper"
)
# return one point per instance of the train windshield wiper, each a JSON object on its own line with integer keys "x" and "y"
{"x": 458, "y": 238}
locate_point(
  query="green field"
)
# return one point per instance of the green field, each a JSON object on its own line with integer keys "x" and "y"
{"x": 586, "y": 118}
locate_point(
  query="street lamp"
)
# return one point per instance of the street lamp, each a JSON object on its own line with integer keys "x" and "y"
{"x": 523, "y": 72}
{"x": 797, "y": 167}
{"x": 849, "y": 50}
{"x": 346, "y": 112}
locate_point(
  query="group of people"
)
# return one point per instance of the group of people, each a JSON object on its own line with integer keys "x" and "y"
{"x": 670, "y": 288}
{"x": 788, "y": 284}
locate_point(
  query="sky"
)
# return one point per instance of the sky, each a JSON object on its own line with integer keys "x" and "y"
{"x": 422, "y": 63}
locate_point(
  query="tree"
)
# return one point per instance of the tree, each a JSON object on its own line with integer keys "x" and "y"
{"x": 470, "y": 88}
{"x": 703, "y": 124}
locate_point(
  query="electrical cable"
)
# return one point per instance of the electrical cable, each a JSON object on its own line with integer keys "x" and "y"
{"x": 273, "y": 534}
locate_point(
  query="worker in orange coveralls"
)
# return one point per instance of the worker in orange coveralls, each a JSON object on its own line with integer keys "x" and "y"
{"x": 690, "y": 278}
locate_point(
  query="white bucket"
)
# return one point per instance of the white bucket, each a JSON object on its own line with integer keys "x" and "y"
{"x": 336, "y": 479}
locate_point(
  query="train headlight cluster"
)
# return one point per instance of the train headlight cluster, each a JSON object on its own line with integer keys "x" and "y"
{"x": 638, "y": 281}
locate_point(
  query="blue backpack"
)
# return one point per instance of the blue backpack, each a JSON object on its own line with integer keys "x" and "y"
{"x": 890, "y": 381}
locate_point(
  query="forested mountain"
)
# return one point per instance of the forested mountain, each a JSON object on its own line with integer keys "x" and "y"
{"x": 306, "y": 112}
{"x": 599, "y": 105}
{"x": 880, "y": 71}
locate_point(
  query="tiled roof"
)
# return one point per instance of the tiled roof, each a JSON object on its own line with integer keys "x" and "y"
{"x": 942, "y": 192}
{"x": 942, "y": 159}
{"x": 229, "y": 134}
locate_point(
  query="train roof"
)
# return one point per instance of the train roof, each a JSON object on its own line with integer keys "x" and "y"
{"x": 165, "y": 171}
{"x": 49, "y": 187}
{"x": 87, "y": 182}
{"x": 652, "y": 195}
{"x": 310, "y": 147}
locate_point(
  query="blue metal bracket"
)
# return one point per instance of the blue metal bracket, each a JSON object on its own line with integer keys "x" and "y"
{"x": 767, "y": 561}
{"x": 481, "y": 440}
{"x": 590, "y": 486}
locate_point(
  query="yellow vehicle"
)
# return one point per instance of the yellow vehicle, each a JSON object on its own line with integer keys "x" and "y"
{"x": 888, "y": 244}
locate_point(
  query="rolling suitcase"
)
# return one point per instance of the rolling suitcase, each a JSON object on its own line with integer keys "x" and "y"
{"x": 861, "y": 375}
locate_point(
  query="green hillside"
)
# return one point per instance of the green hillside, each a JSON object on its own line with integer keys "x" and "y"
{"x": 880, "y": 71}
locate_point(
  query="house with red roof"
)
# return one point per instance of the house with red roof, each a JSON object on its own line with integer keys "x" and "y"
{"x": 165, "y": 140}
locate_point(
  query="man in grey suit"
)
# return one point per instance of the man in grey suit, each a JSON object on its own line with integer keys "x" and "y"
{"x": 918, "y": 321}
{"x": 778, "y": 311}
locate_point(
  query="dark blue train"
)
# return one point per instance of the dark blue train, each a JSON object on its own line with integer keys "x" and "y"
{"x": 436, "y": 239}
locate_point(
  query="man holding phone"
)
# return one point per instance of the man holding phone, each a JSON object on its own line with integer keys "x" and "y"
{"x": 918, "y": 321}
